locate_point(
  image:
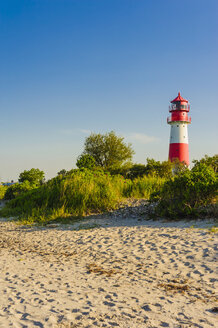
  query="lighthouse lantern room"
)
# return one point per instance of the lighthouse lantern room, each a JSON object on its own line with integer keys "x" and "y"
{"x": 179, "y": 121}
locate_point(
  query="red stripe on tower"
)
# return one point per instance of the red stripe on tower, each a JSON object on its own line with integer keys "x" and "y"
{"x": 179, "y": 121}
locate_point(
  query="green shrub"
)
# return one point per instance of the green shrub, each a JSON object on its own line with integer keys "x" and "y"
{"x": 209, "y": 161}
{"x": 136, "y": 171}
{"x": 17, "y": 189}
{"x": 122, "y": 170}
{"x": 3, "y": 190}
{"x": 162, "y": 169}
{"x": 185, "y": 194}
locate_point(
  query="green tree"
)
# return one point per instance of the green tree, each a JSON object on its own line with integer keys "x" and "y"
{"x": 108, "y": 150}
{"x": 85, "y": 161}
{"x": 62, "y": 172}
{"x": 34, "y": 176}
{"x": 209, "y": 161}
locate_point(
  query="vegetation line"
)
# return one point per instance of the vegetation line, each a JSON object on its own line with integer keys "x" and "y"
{"x": 105, "y": 177}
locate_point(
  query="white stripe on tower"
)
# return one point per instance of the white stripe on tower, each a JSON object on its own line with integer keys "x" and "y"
{"x": 178, "y": 133}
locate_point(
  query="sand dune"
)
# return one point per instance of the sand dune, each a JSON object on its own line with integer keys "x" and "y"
{"x": 127, "y": 273}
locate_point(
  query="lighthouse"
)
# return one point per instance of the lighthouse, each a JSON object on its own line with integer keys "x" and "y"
{"x": 179, "y": 121}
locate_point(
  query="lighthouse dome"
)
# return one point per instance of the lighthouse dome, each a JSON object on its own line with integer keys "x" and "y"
{"x": 179, "y": 99}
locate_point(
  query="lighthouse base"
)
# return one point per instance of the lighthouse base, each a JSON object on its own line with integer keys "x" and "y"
{"x": 180, "y": 151}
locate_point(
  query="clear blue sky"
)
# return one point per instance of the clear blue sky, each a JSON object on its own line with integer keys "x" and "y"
{"x": 68, "y": 67}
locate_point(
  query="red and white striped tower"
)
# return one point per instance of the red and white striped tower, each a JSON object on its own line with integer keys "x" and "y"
{"x": 179, "y": 121}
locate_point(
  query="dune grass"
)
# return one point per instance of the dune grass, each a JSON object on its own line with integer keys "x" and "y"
{"x": 80, "y": 193}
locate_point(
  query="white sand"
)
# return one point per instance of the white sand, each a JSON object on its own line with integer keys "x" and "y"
{"x": 44, "y": 280}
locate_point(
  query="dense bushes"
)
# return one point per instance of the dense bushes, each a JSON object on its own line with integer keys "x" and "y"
{"x": 164, "y": 169}
{"x": 178, "y": 192}
{"x": 28, "y": 180}
{"x": 186, "y": 193}
{"x": 80, "y": 192}
{"x": 208, "y": 161}
{"x": 136, "y": 171}
{"x": 17, "y": 189}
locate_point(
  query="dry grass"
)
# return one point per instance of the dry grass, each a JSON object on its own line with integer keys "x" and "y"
{"x": 181, "y": 288}
{"x": 94, "y": 268}
{"x": 19, "y": 245}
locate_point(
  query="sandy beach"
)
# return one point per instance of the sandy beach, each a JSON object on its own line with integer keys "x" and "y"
{"x": 109, "y": 273}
